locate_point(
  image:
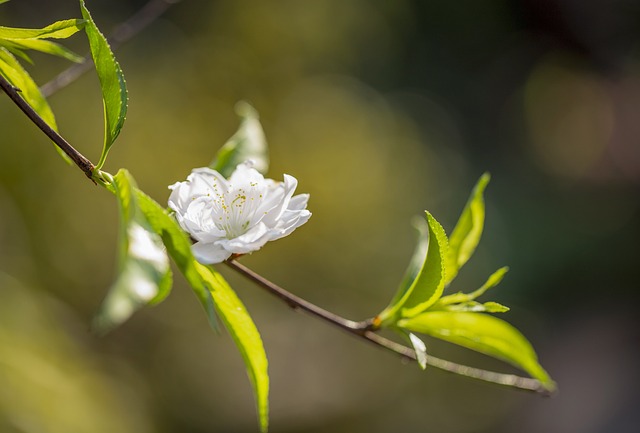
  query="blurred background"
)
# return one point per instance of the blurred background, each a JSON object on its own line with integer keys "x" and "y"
{"x": 381, "y": 109}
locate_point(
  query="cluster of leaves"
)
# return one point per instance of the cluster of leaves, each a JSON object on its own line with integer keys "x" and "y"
{"x": 150, "y": 236}
{"x": 419, "y": 304}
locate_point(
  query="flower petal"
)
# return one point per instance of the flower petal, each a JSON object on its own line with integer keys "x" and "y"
{"x": 210, "y": 253}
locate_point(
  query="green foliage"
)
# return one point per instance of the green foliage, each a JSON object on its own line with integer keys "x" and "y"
{"x": 14, "y": 42}
{"x": 483, "y": 333}
{"x": 424, "y": 280}
{"x": 419, "y": 306}
{"x": 178, "y": 246}
{"x": 112, "y": 83}
{"x": 247, "y": 143}
{"x": 18, "y": 40}
{"x": 245, "y": 334}
{"x": 213, "y": 291}
{"x": 144, "y": 273}
{"x": 467, "y": 232}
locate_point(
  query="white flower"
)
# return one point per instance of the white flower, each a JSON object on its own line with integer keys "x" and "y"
{"x": 238, "y": 215}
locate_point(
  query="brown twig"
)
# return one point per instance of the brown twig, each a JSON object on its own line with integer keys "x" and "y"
{"x": 125, "y": 31}
{"x": 365, "y": 331}
{"x": 80, "y": 160}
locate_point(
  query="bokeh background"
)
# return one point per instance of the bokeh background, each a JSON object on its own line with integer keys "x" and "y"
{"x": 381, "y": 109}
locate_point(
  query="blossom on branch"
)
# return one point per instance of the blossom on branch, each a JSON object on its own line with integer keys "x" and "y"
{"x": 238, "y": 215}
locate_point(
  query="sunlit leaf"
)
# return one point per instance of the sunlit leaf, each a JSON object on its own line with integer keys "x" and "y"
{"x": 213, "y": 292}
{"x": 493, "y": 280}
{"x": 245, "y": 334}
{"x": 473, "y": 306}
{"x": 179, "y": 248}
{"x": 58, "y": 30}
{"x": 467, "y": 232}
{"x": 483, "y": 333}
{"x": 144, "y": 273}
{"x": 11, "y": 69}
{"x": 17, "y": 47}
{"x": 247, "y": 143}
{"x": 112, "y": 83}
{"x": 425, "y": 273}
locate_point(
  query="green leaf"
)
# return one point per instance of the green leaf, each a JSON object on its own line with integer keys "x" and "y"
{"x": 179, "y": 248}
{"x": 57, "y": 30}
{"x": 493, "y": 280}
{"x": 114, "y": 89}
{"x": 17, "y": 47}
{"x": 483, "y": 333}
{"x": 3, "y": 1}
{"x": 11, "y": 69}
{"x": 423, "y": 283}
{"x": 144, "y": 273}
{"x": 213, "y": 292}
{"x": 245, "y": 334}
{"x": 467, "y": 232}
{"x": 473, "y": 306}
{"x": 247, "y": 143}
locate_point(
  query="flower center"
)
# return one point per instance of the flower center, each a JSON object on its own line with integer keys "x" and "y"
{"x": 234, "y": 209}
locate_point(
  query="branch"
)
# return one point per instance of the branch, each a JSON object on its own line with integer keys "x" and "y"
{"x": 83, "y": 163}
{"x": 125, "y": 31}
{"x": 364, "y": 330}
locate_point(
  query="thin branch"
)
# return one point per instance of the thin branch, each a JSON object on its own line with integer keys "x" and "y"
{"x": 80, "y": 160}
{"x": 364, "y": 330}
{"x": 125, "y": 31}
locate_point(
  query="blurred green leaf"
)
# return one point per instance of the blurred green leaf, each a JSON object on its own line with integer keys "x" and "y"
{"x": 245, "y": 334}
{"x": 144, "y": 273}
{"x": 423, "y": 283}
{"x": 467, "y": 232}
{"x": 178, "y": 246}
{"x": 213, "y": 291}
{"x": 483, "y": 333}
{"x": 13, "y": 71}
{"x": 114, "y": 89}
{"x": 248, "y": 142}
{"x": 3, "y": 1}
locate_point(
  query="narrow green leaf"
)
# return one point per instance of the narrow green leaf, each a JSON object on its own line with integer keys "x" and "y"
{"x": 493, "y": 280}
{"x": 213, "y": 291}
{"x": 428, "y": 283}
{"x": 114, "y": 89}
{"x": 179, "y": 248}
{"x": 245, "y": 334}
{"x": 483, "y": 333}
{"x": 11, "y": 69}
{"x": 467, "y": 232}
{"x": 472, "y": 306}
{"x": 144, "y": 273}
{"x": 16, "y": 46}
{"x": 58, "y": 30}
{"x": 247, "y": 143}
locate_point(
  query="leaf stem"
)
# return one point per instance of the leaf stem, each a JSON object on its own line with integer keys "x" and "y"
{"x": 366, "y": 331}
{"x": 80, "y": 160}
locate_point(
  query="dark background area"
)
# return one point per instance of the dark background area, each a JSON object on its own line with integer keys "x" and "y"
{"x": 381, "y": 109}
